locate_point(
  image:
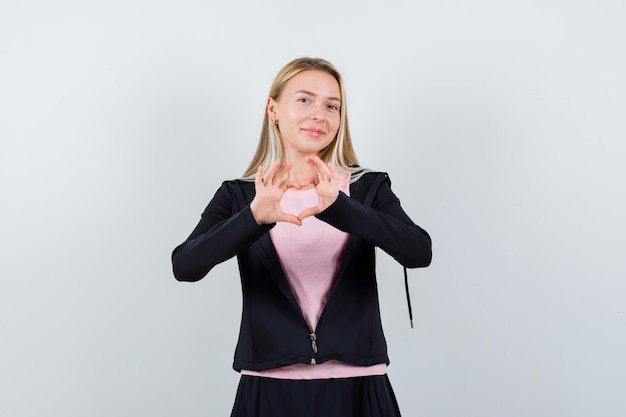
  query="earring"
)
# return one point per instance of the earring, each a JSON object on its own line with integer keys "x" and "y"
{"x": 275, "y": 122}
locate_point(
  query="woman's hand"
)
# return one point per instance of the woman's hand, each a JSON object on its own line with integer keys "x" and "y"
{"x": 326, "y": 185}
{"x": 265, "y": 206}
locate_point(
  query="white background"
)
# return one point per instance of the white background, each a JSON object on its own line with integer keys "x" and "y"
{"x": 502, "y": 126}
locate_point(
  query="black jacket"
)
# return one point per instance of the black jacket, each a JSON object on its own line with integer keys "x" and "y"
{"x": 273, "y": 330}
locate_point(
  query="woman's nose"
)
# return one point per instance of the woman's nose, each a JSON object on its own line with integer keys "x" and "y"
{"x": 317, "y": 112}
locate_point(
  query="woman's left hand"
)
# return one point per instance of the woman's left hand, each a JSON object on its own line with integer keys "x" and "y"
{"x": 326, "y": 185}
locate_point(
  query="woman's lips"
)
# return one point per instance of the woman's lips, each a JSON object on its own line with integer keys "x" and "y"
{"x": 313, "y": 132}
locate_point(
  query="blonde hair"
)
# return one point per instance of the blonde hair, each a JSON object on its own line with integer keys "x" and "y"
{"x": 339, "y": 152}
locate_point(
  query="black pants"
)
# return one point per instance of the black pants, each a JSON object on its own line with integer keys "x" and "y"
{"x": 368, "y": 396}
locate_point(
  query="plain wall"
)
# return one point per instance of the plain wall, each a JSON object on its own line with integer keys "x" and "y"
{"x": 501, "y": 124}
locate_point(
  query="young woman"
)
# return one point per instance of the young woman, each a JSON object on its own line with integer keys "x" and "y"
{"x": 304, "y": 222}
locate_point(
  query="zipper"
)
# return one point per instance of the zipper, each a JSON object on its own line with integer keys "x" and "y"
{"x": 319, "y": 320}
{"x": 314, "y": 348}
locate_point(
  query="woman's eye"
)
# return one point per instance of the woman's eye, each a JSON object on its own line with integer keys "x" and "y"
{"x": 304, "y": 100}
{"x": 333, "y": 107}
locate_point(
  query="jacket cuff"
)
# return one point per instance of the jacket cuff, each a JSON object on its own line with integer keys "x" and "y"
{"x": 335, "y": 210}
{"x": 247, "y": 215}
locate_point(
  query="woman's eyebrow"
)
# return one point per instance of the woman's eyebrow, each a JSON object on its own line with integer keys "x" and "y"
{"x": 310, "y": 93}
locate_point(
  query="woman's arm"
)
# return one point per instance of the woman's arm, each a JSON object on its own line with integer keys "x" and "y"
{"x": 385, "y": 225}
{"x": 219, "y": 236}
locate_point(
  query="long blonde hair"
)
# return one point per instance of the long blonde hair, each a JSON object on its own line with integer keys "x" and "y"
{"x": 339, "y": 152}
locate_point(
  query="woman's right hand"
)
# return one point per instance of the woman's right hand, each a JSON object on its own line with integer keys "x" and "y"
{"x": 265, "y": 206}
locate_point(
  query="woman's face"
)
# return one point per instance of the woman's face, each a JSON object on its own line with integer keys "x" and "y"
{"x": 308, "y": 113}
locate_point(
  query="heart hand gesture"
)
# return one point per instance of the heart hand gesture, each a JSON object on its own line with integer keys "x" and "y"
{"x": 326, "y": 184}
{"x": 265, "y": 206}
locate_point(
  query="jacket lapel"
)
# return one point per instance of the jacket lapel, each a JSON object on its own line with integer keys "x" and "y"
{"x": 243, "y": 192}
{"x": 269, "y": 257}
{"x": 363, "y": 191}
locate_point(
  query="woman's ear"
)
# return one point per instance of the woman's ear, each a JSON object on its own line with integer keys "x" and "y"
{"x": 271, "y": 109}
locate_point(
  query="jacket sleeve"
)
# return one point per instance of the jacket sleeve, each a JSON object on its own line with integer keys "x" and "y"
{"x": 384, "y": 224}
{"x": 219, "y": 236}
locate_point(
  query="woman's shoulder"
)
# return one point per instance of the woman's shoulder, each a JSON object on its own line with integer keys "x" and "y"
{"x": 366, "y": 176}
{"x": 367, "y": 183}
{"x": 235, "y": 189}
{"x": 360, "y": 171}
{"x": 239, "y": 182}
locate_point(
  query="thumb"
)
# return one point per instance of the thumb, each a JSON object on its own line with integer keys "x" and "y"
{"x": 307, "y": 212}
{"x": 290, "y": 218}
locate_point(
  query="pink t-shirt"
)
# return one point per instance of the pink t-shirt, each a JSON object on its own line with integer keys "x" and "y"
{"x": 311, "y": 255}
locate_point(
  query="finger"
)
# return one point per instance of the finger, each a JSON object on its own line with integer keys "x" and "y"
{"x": 327, "y": 170}
{"x": 312, "y": 162}
{"x": 315, "y": 162}
{"x": 258, "y": 178}
{"x": 290, "y": 218}
{"x": 307, "y": 212}
{"x": 281, "y": 179}
{"x": 318, "y": 165}
{"x": 333, "y": 172}
{"x": 269, "y": 177}
{"x": 303, "y": 184}
{"x": 283, "y": 173}
{"x": 292, "y": 184}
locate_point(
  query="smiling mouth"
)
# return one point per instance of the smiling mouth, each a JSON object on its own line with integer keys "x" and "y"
{"x": 314, "y": 132}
